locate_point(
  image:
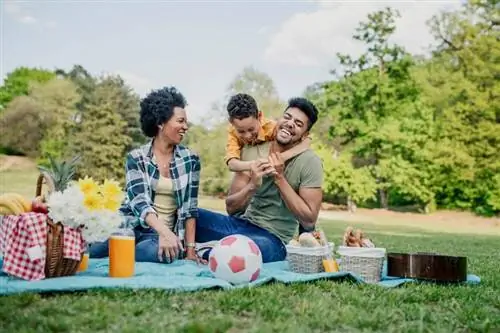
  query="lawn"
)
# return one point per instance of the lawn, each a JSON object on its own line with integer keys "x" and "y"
{"x": 315, "y": 307}
{"x": 324, "y": 306}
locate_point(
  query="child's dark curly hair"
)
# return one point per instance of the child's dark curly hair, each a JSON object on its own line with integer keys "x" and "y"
{"x": 158, "y": 107}
{"x": 241, "y": 106}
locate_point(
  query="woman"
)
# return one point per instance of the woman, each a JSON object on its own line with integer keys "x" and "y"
{"x": 162, "y": 179}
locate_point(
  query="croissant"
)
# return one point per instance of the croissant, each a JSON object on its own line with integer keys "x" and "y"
{"x": 356, "y": 238}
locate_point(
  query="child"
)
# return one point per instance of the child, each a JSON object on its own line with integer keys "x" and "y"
{"x": 249, "y": 126}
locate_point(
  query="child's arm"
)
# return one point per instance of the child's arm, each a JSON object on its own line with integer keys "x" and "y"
{"x": 294, "y": 151}
{"x": 233, "y": 152}
{"x": 235, "y": 164}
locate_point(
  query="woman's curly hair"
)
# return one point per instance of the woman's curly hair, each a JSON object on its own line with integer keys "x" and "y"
{"x": 158, "y": 107}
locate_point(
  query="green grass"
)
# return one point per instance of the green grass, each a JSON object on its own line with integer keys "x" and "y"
{"x": 324, "y": 306}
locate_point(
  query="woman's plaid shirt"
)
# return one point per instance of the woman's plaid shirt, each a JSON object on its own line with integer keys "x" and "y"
{"x": 142, "y": 175}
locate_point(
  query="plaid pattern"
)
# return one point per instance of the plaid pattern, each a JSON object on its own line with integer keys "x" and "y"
{"x": 23, "y": 242}
{"x": 74, "y": 244}
{"x": 142, "y": 175}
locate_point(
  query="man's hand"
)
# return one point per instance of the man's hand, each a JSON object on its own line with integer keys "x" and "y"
{"x": 276, "y": 160}
{"x": 259, "y": 169}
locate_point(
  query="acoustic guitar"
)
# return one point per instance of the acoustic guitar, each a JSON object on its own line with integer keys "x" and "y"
{"x": 427, "y": 266}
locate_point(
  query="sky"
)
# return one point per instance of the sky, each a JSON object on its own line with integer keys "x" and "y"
{"x": 199, "y": 46}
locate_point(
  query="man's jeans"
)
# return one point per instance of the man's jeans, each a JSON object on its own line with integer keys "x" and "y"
{"x": 146, "y": 246}
{"x": 212, "y": 226}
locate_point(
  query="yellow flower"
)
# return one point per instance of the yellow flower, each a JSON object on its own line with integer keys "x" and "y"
{"x": 110, "y": 189}
{"x": 111, "y": 204}
{"x": 88, "y": 185}
{"x": 93, "y": 201}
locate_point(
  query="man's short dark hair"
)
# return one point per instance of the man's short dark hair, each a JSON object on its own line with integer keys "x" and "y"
{"x": 241, "y": 106}
{"x": 306, "y": 106}
{"x": 158, "y": 107}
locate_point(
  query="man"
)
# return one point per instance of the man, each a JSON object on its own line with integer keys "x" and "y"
{"x": 248, "y": 126}
{"x": 276, "y": 196}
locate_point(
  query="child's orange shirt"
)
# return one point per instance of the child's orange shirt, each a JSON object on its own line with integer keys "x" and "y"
{"x": 235, "y": 144}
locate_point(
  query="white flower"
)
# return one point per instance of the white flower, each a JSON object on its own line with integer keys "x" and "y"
{"x": 68, "y": 208}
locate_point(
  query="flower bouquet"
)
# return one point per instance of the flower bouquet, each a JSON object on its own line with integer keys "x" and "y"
{"x": 78, "y": 213}
{"x": 89, "y": 206}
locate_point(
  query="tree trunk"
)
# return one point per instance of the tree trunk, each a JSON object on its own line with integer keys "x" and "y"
{"x": 383, "y": 198}
{"x": 351, "y": 205}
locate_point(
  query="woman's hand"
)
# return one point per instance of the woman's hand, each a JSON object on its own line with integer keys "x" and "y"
{"x": 191, "y": 255}
{"x": 169, "y": 245}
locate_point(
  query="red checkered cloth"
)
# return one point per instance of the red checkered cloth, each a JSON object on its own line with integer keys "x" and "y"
{"x": 23, "y": 240}
{"x": 74, "y": 244}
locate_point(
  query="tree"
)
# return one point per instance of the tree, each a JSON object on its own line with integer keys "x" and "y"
{"x": 83, "y": 80}
{"x": 342, "y": 179}
{"x": 259, "y": 85}
{"x": 17, "y": 83}
{"x": 57, "y": 101}
{"x": 128, "y": 108}
{"x": 101, "y": 140}
{"x": 464, "y": 92}
{"x": 22, "y": 126}
{"x": 374, "y": 104}
{"x": 38, "y": 124}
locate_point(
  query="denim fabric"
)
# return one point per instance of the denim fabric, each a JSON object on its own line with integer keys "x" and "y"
{"x": 146, "y": 246}
{"x": 212, "y": 226}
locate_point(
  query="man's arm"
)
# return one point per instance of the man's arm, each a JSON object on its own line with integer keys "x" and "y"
{"x": 305, "y": 204}
{"x": 240, "y": 192}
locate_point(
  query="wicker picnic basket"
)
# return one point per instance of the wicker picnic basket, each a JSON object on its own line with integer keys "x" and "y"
{"x": 55, "y": 263}
{"x": 307, "y": 260}
{"x": 365, "y": 262}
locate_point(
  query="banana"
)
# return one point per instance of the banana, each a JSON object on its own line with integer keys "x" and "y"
{"x": 4, "y": 211}
{"x": 25, "y": 203}
{"x": 11, "y": 205}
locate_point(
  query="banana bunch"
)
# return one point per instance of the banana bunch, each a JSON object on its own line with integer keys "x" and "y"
{"x": 14, "y": 204}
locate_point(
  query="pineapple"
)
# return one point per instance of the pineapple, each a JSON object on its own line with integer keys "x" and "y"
{"x": 59, "y": 174}
{"x": 57, "y": 178}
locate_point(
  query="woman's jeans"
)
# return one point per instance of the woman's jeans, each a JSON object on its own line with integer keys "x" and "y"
{"x": 212, "y": 226}
{"x": 146, "y": 246}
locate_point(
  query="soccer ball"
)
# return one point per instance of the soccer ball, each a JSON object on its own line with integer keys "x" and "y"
{"x": 235, "y": 259}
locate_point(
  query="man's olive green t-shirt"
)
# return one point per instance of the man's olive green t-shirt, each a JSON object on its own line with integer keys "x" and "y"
{"x": 267, "y": 209}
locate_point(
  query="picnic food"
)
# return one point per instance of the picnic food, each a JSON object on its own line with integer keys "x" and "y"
{"x": 14, "y": 204}
{"x": 307, "y": 239}
{"x": 59, "y": 173}
{"x": 39, "y": 206}
{"x": 356, "y": 238}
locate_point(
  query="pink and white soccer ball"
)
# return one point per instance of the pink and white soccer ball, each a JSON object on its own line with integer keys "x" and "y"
{"x": 235, "y": 259}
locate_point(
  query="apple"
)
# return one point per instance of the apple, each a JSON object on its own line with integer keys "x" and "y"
{"x": 38, "y": 206}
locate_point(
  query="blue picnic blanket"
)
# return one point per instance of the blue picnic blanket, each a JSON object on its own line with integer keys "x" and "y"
{"x": 179, "y": 276}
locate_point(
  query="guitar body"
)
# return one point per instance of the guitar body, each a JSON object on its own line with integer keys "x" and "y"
{"x": 427, "y": 266}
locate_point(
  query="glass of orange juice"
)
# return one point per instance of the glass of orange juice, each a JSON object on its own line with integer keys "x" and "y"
{"x": 84, "y": 263}
{"x": 122, "y": 254}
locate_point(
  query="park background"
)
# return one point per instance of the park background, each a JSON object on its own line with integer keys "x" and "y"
{"x": 408, "y": 131}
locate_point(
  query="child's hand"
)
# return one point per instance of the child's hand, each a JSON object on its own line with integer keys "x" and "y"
{"x": 277, "y": 162}
{"x": 259, "y": 169}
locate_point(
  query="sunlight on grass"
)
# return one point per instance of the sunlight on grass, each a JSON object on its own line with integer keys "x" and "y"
{"x": 322, "y": 306}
